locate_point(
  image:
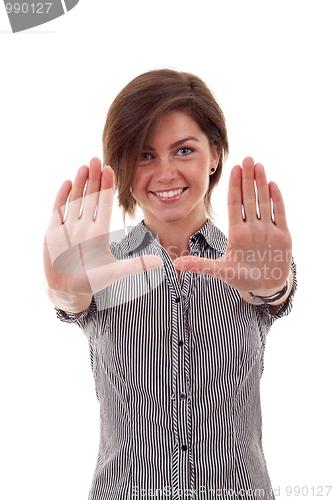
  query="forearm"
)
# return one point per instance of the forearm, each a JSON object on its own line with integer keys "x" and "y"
{"x": 66, "y": 301}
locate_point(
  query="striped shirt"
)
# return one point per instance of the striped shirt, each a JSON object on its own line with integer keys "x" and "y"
{"x": 177, "y": 367}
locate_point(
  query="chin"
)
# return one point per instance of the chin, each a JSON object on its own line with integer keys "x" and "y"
{"x": 172, "y": 217}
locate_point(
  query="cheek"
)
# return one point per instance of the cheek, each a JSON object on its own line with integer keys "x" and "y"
{"x": 139, "y": 188}
{"x": 136, "y": 186}
{"x": 141, "y": 180}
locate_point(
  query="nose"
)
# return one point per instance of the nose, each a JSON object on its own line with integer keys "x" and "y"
{"x": 165, "y": 171}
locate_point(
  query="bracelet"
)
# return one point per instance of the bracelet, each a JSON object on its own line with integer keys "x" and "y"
{"x": 272, "y": 298}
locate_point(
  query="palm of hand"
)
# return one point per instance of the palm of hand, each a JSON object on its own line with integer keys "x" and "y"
{"x": 258, "y": 253}
{"x": 79, "y": 243}
{"x": 77, "y": 257}
{"x": 77, "y": 246}
{"x": 257, "y": 258}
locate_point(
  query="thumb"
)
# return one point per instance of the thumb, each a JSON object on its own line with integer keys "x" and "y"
{"x": 199, "y": 265}
{"x": 104, "y": 276}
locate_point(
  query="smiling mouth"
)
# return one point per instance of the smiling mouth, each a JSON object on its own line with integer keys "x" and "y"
{"x": 169, "y": 194}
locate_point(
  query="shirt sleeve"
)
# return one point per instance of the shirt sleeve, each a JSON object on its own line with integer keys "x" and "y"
{"x": 284, "y": 309}
{"x": 82, "y": 320}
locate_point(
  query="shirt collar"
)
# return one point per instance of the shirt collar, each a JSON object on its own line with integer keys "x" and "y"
{"x": 213, "y": 236}
{"x": 136, "y": 238}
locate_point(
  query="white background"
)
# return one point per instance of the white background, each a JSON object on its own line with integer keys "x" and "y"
{"x": 270, "y": 66}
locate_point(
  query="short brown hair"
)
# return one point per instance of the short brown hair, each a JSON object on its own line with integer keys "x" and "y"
{"x": 135, "y": 113}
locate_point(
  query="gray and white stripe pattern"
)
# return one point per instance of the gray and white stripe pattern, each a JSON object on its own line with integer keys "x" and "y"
{"x": 177, "y": 368}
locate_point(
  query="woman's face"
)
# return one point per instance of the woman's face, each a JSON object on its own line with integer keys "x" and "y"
{"x": 173, "y": 174}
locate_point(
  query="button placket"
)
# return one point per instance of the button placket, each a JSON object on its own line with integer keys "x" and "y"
{"x": 185, "y": 416}
{"x": 182, "y": 460}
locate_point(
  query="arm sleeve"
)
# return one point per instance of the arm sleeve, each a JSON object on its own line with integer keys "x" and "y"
{"x": 82, "y": 320}
{"x": 262, "y": 310}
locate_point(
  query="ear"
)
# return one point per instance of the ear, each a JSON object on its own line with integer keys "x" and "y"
{"x": 215, "y": 153}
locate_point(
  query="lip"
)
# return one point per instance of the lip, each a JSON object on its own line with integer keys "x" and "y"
{"x": 169, "y": 200}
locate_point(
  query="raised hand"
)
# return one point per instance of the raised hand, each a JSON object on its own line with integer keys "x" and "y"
{"x": 258, "y": 253}
{"x": 77, "y": 257}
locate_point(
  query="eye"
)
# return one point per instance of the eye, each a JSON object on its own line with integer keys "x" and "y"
{"x": 145, "y": 157}
{"x": 184, "y": 151}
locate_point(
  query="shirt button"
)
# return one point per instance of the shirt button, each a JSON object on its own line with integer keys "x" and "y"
{"x": 180, "y": 343}
{"x": 177, "y": 300}
{"x": 184, "y": 447}
{"x": 183, "y": 396}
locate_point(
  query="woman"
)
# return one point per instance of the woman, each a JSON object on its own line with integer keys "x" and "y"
{"x": 176, "y": 316}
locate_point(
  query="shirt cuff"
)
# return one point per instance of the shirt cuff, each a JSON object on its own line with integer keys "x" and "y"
{"x": 69, "y": 317}
{"x": 286, "y": 306}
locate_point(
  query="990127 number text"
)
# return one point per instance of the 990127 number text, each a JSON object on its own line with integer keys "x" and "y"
{"x": 24, "y": 8}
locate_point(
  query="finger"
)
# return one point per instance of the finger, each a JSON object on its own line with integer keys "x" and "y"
{"x": 198, "y": 265}
{"x": 59, "y": 206}
{"x": 95, "y": 171}
{"x": 217, "y": 268}
{"x": 105, "y": 201}
{"x": 56, "y": 238}
{"x": 248, "y": 189}
{"x": 235, "y": 214}
{"x": 76, "y": 197}
{"x": 264, "y": 200}
{"x": 93, "y": 188}
{"x": 102, "y": 277}
{"x": 138, "y": 265}
{"x": 278, "y": 206}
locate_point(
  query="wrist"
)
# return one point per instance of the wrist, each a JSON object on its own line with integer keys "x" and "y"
{"x": 66, "y": 301}
{"x": 270, "y": 298}
{"x": 273, "y": 298}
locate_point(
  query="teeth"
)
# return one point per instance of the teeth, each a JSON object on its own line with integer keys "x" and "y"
{"x": 169, "y": 194}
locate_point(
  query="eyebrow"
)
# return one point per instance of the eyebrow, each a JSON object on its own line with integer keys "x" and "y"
{"x": 175, "y": 144}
